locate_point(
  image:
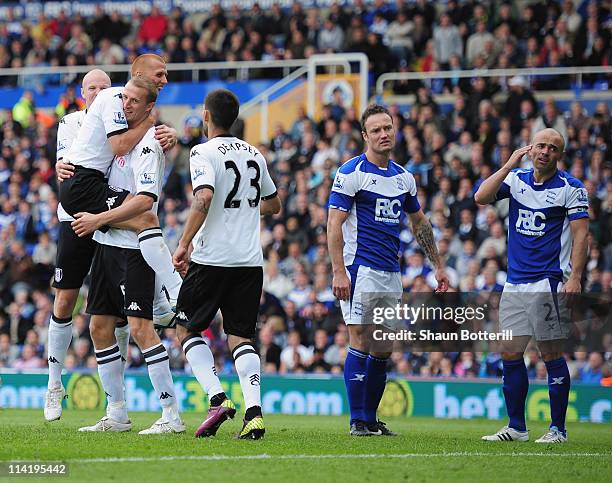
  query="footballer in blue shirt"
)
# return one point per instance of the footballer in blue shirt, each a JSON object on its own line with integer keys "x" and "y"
{"x": 368, "y": 196}
{"x": 547, "y": 250}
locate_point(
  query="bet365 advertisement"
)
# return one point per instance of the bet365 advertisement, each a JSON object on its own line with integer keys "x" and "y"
{"x": 317, "y": 396}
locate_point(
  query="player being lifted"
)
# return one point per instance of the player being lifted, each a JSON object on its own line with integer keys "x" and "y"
{"x": 548, "y": 208}
{"x": 231, "y": 188}
{"x": 122, "y": 284}
{"x": 368, "y": 195}
{"x": 75, "y": 253}
{"x": 73, "y": 259}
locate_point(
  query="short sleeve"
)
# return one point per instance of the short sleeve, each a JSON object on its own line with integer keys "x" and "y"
{"x": 411, "y": 202}
{"x": 147, "y": 175}
{"x": 268, "y": 188}
{"x": 65, "y": 136}
{"x": 504, "y": 190}
{"x": 577, "y": 203}
{"x": 111, "y": 111}
{"x": 202, "y": 171}
{"x": 343, "y": 191}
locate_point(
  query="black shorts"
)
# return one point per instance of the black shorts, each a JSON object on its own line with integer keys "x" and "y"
{"x": 234, "y": 290}
{"x": 88, "y": 191}
{"x": 73, "y": 260}
{"x": 122, "y": 284}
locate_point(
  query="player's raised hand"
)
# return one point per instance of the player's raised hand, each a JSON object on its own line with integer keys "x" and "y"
{"x": 180, "y": 259}
{"x": 63, "y": 171}
{"x": 341, "y": 286}
{"x": 166, "y": 136}
{"x": 442, "y": 279}
{"x": 516, "y": 156}
{"x": 85, "y": 224}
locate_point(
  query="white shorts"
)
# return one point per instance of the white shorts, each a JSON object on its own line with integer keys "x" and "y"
{"x": 370, "y": 288}
{"x": 535, "y": 309}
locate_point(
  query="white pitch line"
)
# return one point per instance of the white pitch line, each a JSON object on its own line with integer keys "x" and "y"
{"x": 143, "y": 459}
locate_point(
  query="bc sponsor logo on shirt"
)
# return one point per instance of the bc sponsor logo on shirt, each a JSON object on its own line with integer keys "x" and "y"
{"x": 119, "y": 118}
{"x": 147, "y": 178}
{"x": 388, "y": 211}
{"x": 531, "y": 223}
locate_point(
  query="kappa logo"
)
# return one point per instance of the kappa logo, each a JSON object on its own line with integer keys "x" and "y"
{"x": 194, "y": 153}
{"x": 119, "y": 118}
{"x": 181, "y": 315}
{"x": 254, "y": 380}
{"x": 358, "y": 378}
{"x": 63, "y": 120}
{"x": 146, "y": 150}
{"x": 110, "y": 202}
{"x": 53, "y": 360}
{"x": 59, "y": 273}
{"x": 134, "y": 306}
{"x": 165, "y": 395}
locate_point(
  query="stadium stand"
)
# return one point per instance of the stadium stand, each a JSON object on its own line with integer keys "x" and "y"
{"x": 449, "y": 151}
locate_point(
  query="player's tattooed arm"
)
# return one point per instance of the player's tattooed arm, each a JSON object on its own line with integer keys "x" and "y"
{"x": 200, "y": 205}
{"x": 423, "y": 233}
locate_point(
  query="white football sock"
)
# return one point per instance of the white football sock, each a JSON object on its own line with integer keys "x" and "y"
{"x": 202, "y": 364}
{"x": 155, "y": 252}
{"x": 158, "y": 366}
{"x": 122, "y": 334}
{"x": 248, "y": 368}
{"x": 110, "y": 369}
{"x": 60, "y": 336}
{"x": 160, "y": 300}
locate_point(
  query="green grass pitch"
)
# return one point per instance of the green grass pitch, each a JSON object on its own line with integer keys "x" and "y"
{"x": 304, "y": 448}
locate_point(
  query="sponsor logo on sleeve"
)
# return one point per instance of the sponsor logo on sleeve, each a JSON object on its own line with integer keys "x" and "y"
{"x": 147, "y": 178}
{"x": 583, "y": 196}
{"x": 119, "y": 118}
{"x": 198, "y": 172}
{"x": 339, "y": 182}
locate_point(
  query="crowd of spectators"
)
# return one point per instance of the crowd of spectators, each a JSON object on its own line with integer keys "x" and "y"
{"x": 396, "y": 36}
{"x": 301, "y": 329}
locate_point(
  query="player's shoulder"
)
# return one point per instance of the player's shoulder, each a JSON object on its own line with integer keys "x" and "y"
{"x": 569, "y": 180}
{"x": 353, "y": 165}
{"x": 147, "y": 145}
{"x": 72, "y": 118}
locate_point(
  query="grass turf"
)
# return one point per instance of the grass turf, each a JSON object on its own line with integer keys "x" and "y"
{"x": 304, "y": 448}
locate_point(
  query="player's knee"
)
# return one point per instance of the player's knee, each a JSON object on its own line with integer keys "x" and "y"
{"x": 142, "y": 332}
{"x": 101, "y": 332}
{"x": 512, "y": 356}
{"x": 181, "y": 333}
{"x": 146, "y": 220}
{"x": 551, "y": 356}
{"x": 64, "y": 303}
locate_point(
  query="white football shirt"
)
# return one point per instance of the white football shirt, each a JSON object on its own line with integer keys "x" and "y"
{"x": 238, "y": 174}
{"x": 104, "y": 118}
{"x": 67, "y": 130}
{"x": 140, "y": 172}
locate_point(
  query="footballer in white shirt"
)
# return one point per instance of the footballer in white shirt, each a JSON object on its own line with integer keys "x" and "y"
{"x": 90, "y": 199}
{"x": 73, "y": 259}
{"x": 122, "y": 284}
{"x": 232, "y": 189}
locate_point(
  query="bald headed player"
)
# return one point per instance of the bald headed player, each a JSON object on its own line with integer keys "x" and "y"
{"x": 547, "y": 250}
{"x": 74, "y": 256}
